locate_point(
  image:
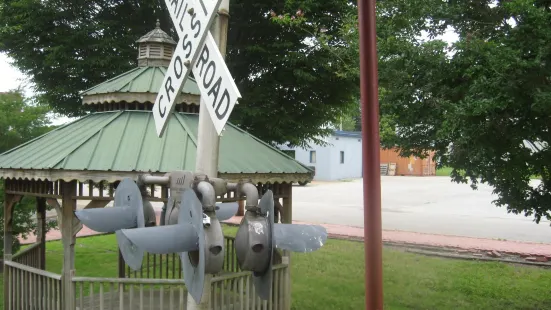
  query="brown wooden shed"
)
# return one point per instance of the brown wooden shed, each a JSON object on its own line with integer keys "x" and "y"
{"x": 404, "y": 166}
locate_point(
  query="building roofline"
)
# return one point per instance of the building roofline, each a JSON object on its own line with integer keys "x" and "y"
{"x": 349, "y": 134}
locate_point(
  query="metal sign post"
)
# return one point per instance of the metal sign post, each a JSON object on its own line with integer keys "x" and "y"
{"x": 370, "y": 150}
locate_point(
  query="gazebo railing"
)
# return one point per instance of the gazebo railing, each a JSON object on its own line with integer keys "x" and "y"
{"x": 158, "y": 266}
{"x": 236, "y": 291}
{"x": 31, "y": 288}
{"x": 228, "y": 291}
{"x": 230, "y": 259}
{"x": 232, "y": 289}
{"x": 120, "y": 293}
{"x": 169, "y": 266}
{"x": 29, "y": 256}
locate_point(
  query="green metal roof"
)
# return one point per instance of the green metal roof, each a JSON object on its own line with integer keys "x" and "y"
{"x": 127, "y": 141}
{"x": 139, "y": 80}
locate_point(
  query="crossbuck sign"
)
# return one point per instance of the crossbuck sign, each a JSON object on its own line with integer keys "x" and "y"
{"x": 196, "y": 50}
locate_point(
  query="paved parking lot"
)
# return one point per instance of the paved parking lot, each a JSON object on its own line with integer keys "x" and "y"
{"x": 432, "y": 205}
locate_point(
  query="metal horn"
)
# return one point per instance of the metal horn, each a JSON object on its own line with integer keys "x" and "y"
{"x": 226, "y": 210}
{"x": 185, "y": 237}
{"x": 127, "y": 212}
{"x": 258, "y": 236}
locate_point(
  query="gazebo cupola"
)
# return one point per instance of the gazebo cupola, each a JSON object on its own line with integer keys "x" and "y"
{"x": 155, "y": 48}
{"x": 137, "y": 89}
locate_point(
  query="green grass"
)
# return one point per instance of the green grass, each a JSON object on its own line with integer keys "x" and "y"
{"x": 444, "y": 172}
{"x": 332, "y": 278}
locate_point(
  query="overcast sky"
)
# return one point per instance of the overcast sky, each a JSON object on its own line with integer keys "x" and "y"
{"x": 9, "y": 76}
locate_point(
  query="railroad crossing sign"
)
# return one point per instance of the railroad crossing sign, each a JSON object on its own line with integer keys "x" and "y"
{"x": 196, "y": 50}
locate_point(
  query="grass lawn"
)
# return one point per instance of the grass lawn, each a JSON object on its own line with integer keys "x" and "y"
{"x": 444, "y": 172}
{"x": 332, "y": 278}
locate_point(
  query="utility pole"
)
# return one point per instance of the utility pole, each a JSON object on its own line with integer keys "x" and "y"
{"x": 370, "y": 150}
{"x": 208, "y": 140}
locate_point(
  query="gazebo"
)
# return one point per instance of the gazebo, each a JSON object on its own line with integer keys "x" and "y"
{"x": 83, "y": 160}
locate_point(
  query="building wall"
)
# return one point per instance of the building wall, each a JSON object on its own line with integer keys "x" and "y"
{"x": 328, "y": 165}
{"x": 352, "y": 166}
{"x": 329, "y": 168}
{"x": 323, "y": 155}
{"x": 408, "y": 165}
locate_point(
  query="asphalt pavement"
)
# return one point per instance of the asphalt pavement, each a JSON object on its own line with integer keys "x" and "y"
{"x": 432, "y": 205}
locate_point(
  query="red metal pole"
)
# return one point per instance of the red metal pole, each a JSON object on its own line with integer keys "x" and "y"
{"x": 370, "y": 149}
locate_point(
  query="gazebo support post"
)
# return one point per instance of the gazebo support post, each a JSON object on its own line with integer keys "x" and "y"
{"x": 68, "y": 236}
{"x": 121, "y": 265}
{"x": 287, "y": 218}
{"x": 41, "y": 231}
{"x": 9, "y": 203}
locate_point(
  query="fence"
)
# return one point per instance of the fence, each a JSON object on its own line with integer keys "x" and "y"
{"x": 30, "y": 256}
{"x": 31, "y": 288}
{"x": 236, "y": 291}
{"x": 158, "y": 285}
{"x": 117, "y": 293}
{"x": 169, "y": 266}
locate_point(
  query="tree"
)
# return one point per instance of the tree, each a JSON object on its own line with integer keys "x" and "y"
{"x": 478, "y": 102}
{"x": 289, "y": 87}
{"x": 20, "y": 120}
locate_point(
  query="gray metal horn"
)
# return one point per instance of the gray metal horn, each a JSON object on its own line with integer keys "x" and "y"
{"x": 226, "y": 210}
{"x": 258, "y": 236}
{"x": 186, "y": 237}
{"x": 178, "y": 181}
{"x": 127, "y": 212}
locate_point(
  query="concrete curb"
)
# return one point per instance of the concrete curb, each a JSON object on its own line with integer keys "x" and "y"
{"x": 475, "y": 258}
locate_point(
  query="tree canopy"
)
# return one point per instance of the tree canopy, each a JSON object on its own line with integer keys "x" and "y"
{"x": 289, "y": 88}
{"x": 21, "y": 120}
{"x": 483, "y": 103}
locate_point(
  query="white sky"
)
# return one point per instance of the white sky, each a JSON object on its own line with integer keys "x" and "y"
{"x": 11, "y": 78}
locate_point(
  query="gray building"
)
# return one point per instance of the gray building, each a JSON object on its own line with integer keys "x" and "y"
{"x": 340, "y": 159}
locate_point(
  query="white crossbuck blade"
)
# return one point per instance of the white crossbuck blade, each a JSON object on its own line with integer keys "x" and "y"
{"x": 196, "y": 50}
{"x": 213, "y": 78}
